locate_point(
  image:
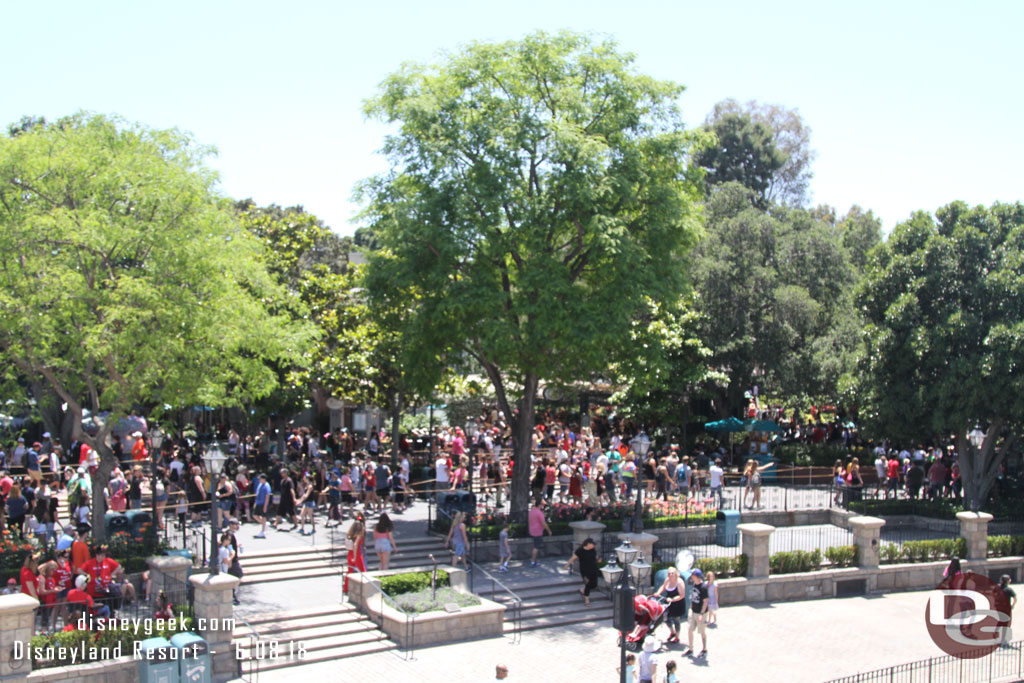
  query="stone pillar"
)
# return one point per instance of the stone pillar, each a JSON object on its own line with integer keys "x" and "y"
{"x": 17, "y": 625}
{"x": 644, "y": 543}
{"x": 754, "y": 543}
{"x": 169, "y": 569}
{"x": 213, "y": 603}
{"x": 974, "y": 529}
{"x": 866, "y": 533}
{"x": 584, "y": 530}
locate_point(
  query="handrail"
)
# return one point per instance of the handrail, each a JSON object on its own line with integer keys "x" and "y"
{"x": 410, "y": 618}
{"x": 517, "y": 602}
{"x": 254, "y": 639}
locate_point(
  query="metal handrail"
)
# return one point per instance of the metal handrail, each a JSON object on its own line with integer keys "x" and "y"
{"x": 517, "y": 602}
{"x": 254, "y": 639}
{"x": 410, "y": 619}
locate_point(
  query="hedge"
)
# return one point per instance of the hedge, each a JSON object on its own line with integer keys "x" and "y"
{"x": 1004, "y": 546}
{"x": 818, "y": 455}
{"x": 841, "y": 555}
{"x": 110, "y": 638}
{"x": 411, "y": 582}
{"x": 794, "y": 561}
{"x": 923, "y": 551}
{"x": 723, "y": 567}
{"x": 490, "y": 532}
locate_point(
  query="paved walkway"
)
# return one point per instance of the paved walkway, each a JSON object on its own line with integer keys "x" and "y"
{"x": 795, "y": 642}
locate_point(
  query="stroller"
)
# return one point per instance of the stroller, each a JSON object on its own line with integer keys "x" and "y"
{"x": 649, "y": 612}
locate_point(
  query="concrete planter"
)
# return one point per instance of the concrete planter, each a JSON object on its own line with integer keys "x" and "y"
{"x": 486, "y": 620}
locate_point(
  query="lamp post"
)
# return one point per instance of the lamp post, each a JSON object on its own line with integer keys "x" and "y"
{"x": 156, "y": 441}
{"x": 640, "y": 444}
{"x": 623, "y": 593}
{"x": 214, "y": 460}
{"x": 977, "y": 439}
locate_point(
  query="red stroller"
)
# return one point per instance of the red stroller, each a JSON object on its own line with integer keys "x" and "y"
{"x": 649, "y": 612}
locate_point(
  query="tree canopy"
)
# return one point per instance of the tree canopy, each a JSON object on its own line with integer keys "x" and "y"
{"x": 944, "y": 299}
{"x": 539, "y": 198}
{"x": 126, "y": 279}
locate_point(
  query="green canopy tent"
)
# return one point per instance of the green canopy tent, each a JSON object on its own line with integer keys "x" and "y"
{"x": 729, "y": 424}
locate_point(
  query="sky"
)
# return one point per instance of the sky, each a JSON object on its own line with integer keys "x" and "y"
{"x": 911, "y": 105}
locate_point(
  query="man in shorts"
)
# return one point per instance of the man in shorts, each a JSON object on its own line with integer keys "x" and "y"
{"x": 537, "y": 526}
{"x": 261, "y": 505}
{"x": 698, "y": 612}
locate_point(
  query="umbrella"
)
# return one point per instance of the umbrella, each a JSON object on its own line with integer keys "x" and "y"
{"x": 130, "y": 424}
{"x": 763, "y": 426}
{"x": 730, "y": 424}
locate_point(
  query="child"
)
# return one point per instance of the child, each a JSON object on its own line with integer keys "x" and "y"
{"x": 630, "y": 668}
{"x": 670, "y": 672}
{"x": 504, "y": 549}
{"x": 712, "y": 617}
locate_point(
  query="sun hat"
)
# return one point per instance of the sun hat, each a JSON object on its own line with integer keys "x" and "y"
{"x": 652, "y": 645}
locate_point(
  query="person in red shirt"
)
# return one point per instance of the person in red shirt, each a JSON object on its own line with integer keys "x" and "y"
{"x": 46, "y": 588}
{"x": 80, "y": 598}
{"x": 139, "y": 450}
{"x": 28, "y": 576}
{"x": 892, "y": 476}
{"x": 100, "y": 570}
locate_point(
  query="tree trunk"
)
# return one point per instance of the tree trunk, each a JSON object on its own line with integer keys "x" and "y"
{"x": 396, "y": 414}
{"x": 522, "y": 433}
{"x": 108, "y": 461}
{"x": 978, "y": 471}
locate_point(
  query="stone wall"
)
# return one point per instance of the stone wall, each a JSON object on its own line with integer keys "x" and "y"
{"x": 825, "y": 583}
{"x": 120, "y": 670}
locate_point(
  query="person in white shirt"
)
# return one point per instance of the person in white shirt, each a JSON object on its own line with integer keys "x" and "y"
{"x": 716, "y": 479}
{"x": 647, "y": 662}
{"x": 441, "y": 476}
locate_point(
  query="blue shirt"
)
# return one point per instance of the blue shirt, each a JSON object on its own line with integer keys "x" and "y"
{"x": 262, "y": 491}
{"x": 64, "y": 542}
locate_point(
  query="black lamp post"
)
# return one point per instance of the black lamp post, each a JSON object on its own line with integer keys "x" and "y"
{"x": 156, "y": 442}
{"x": 640, "y": 444}
{"x": 214, "y": 460}
{"x": 621, "y": 578}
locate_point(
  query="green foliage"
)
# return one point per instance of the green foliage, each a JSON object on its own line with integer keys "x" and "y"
{"x": 944, "y": 304}
{"x": 410, "y": 582}
{"x": 794, "y": 561}
{"x": 109, "y": 638}
{"x": 539, "y": 200}
{"x": 841, "y": 556}
{"x": 723, "y": 567}
{"x": 942, "y": 508}
{"x": 923, "y": 551}
{"x": 133, "y": 276}
{"x": 421, "y": 601}
{"x": 815, "y": 454}
{"x": 1005, "y": 546}
{"x": 772, "y": 289}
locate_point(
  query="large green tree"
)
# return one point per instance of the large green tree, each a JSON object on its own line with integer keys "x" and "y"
{"x": 771, "y": 287}
{"x": 539, "y": 198}
{"x": 766, "y": 147}
{"x": 125, "y": 278}
{"x": 944, "y": 299}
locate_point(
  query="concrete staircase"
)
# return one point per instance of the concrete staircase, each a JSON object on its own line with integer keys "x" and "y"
{"x": 306, "y": 636}
{"x": 282, "y": 564}
{"x": 553, "y": 603}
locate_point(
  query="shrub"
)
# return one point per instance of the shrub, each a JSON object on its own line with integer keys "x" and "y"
{"x": 923, "y": 551}
{"x": 410, "y": 582}
{"x": 723, "y": 567}
{"x": 420, "y": 601}
{"x": 1005, "y": 546}
{"x": 890, "y": 553}
{"x": 794, "y": 561}
{"x": 841, "y": 556}
{"x": 108, "y": 638}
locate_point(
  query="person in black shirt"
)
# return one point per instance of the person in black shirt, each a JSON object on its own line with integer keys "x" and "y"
{"x": 1004, "y": 584}
{"x": 698, "y": 611}
{"x": 586, "y": 554}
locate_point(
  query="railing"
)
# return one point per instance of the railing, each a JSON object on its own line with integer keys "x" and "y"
{"x": 515, "y": 602}
{"x": 1005, "y": 664}
{"x": 250, "y": 676}
{"x": 408, "y": 628}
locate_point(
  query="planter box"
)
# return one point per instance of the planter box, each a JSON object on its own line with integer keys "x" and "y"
{"x": 485, "y": 620}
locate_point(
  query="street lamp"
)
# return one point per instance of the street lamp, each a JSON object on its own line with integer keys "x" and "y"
{"x": 976, "y": 437}
{"x": 156, "y": 441}
{"x": 618, "y": 580}
{"x": 214, "y": 460}
{"x": 640, "y": 444}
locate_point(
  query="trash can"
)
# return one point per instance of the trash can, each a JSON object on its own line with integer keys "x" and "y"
{"x": 727, "y": 532}
{"x": 138, "y": 519}
{"x": 157, "y": 661}
{"x": 193, "y": 658}
{"x": 116, "y": 523}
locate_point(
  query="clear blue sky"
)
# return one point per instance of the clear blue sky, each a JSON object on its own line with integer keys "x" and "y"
{"x": 911, "y": 104}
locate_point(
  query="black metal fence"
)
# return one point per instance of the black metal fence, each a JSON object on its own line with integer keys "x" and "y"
{"x": 809, "y": 538}
{"x": 1005, "y": 664}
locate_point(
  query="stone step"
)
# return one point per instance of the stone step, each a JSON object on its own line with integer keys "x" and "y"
{"x": 596, "y": 615}
{"x": 312, "y": 633}
{"x": 299, "y": 614}
{"x": 341, "y": 651}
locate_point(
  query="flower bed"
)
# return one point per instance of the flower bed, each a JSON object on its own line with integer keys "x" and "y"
{"x": 410, "y": 582}
{"x": 425, "y": 600}
{"x": 657, "y": 514}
